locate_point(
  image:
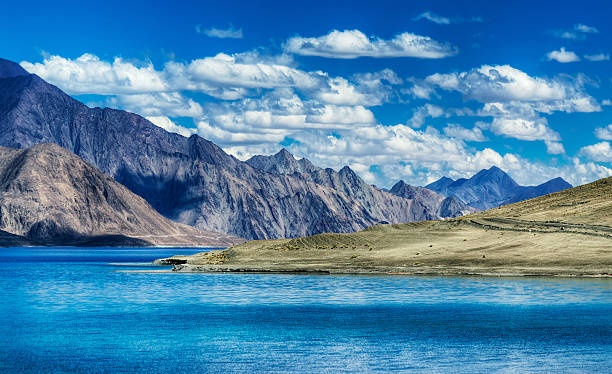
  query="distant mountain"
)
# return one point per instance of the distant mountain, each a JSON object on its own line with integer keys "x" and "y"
{"x": 423, "y": 204}
{"x": 440, "y": 185}
{"x": 432, "y": 204}
{"x": 191, "y": 180}
{"x": 51, "y": 196}
{"x": 490, "y": 188}
{"x": 282, "y": 163}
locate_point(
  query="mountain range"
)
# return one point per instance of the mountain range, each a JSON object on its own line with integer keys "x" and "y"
{"x": 492, "y": 187}
{"x": 193, "y": 181}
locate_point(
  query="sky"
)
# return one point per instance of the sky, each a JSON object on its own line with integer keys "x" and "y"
{"x": 394, "y": 89}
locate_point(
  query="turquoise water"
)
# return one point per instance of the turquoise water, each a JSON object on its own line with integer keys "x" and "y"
{"x": 67, "y": 310}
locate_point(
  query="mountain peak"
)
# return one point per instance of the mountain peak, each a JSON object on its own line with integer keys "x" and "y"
{"x": 398, "y": 186}
{"x": 10, "y": 69}
{"x": 284, "y": 154}
{"x": 440, "y": 185}
{"x": 492, "y": 174}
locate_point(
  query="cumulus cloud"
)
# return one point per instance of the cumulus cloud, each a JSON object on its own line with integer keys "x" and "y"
{"x": 604, "y": 133}
{"x": 349, "y": 44}
{"x": 598, "y": 57}
{"x": 423, "y": 112}
{"x": 171, "y": 104}
{"x": 516, "y": 100}
{"x": 562, "y": 56}
{"x": 459, "y": 132}
{"x": 167, "y": 124}
{"x": 275, "y": 115}
{"x": 369, "y": 89}
{"x": 226, "y": 77}
{"x": 601, "y": 152}
{"x": 501, "y": 83}
{"x": 523, "y": 129}
{"x": 88, "y": 74}
{"x": 214, "y": 32}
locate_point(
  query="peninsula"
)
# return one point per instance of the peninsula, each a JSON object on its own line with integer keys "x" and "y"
{"x": 567, "y": 233}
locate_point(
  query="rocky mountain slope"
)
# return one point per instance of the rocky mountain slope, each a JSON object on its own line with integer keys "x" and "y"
{"x": 191, "y": 180}
{"x": 436, "y": 205}
{"x": 424, "y": 204}
{"x": 490, "y": 188}
{"x": 51, "y": 196}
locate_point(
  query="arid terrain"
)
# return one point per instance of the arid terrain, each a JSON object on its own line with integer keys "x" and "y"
{"x": 568, "y": 233}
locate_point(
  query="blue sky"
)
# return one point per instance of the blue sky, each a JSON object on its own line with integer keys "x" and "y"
{"x": 396, "y": 90}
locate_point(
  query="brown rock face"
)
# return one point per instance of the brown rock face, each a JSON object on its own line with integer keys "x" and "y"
{"x": 49, "y": 195}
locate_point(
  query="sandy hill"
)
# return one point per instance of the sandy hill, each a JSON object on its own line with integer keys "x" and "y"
{"x": 566, "y": 233}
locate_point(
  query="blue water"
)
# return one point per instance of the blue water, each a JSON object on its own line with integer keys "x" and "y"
{"x": 67, "y": 310}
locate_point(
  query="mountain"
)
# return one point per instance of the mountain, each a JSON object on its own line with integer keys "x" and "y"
{"x": 490, "y": 188}
{"x": 432, "y": 204}
{"x": 51, "y": 196}
{"x": 553, "y": 185}
{"x": 422, "y": 204}
{"x": 440, "y": 185}
{"x": 282, "y": 163}
{"x": 191, "y": 180}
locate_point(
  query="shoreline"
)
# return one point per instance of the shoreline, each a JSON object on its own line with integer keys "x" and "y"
{"x": 424, "y": 272}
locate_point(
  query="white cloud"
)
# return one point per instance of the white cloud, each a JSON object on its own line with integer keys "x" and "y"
{"x": 348, "y": 115}
{"x": 367, "y": 89}
{"x": 167, "y": 124}
{"x": 562, "y": 56}
{"x": 275, "y": 115}
{"x": 516, "y": 100}
{"x": 459, "y": 132}
{"x": 90, "y": 75}
{"x": 554, "y": 148}
{"x": 214, "y": 32}
{"x": 598, "y": 57}
{"x": 171, "y": 104}
{"x": 227, "y": 77}
{"x": 353, "y": 43}
{"x": 430, "y": 16}
{"x": 604, "y": 133}
{"x": 229, "y": 71}
{"x": 500, "y": 84}
{"x": 423, "y": 112}
{"x": 585, "y": 29}
{"x": 523, "y": 129}
{"x": 601, "y": 152}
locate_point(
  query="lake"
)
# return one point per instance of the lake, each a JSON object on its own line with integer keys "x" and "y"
{"x": 68, "y": 310}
